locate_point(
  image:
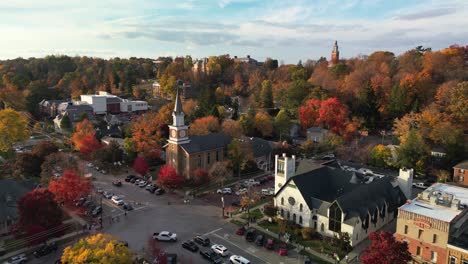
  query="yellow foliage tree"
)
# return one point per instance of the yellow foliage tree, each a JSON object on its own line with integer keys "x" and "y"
{"x": 13, "y": 128}
{"x": 204, "y": 126}
{"x": 264, "y": 124}
{"x": 100, "y": 248}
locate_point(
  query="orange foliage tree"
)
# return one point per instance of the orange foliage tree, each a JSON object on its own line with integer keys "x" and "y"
{"x": 82, "y": 129}
{"x": 89, "y": 144}
{"x": 309, "y": 113}
{"x": 204, "y": 125}
{"x": 263, "y": 124}
{"x": 147, "y": 134}
{"x": 232, "y": 128}
{"x": 69, "y": 187}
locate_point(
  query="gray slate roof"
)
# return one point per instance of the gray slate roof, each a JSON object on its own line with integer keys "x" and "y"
{"x": 113, "y": 100}
{"x": 462, "y": 165}
{"x": 206, "y": 142}
{"x": 260, "y": 147}
{"x": 10, "y": 191}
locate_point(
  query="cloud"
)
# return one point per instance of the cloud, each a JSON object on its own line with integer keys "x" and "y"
{"x": 428, "y": 13}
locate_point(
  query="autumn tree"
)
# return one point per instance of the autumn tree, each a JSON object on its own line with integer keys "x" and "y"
{"x": 147, "y": 134}
{"x": 239, "y": 153}
{"x": 82, "y": 129}
{"x": 232, "y": 128}
{"x": 413, "y": 150}
{"x": 65, "y": 123}
{"x": 38, "y": 211}
{"x": 99, "y": 248}
{"x": 52, "y": 162}
{"x": 333, "y": 114}
{"x": 109, "y": 154}
{"x": 386, "y": 250}
{"x": 205, "y": 126}
{"x": 282, "y": 122}
{"x": 263, "y": 124}
{"x": 69, "y": 187}
{"x": 168, "y": 178}
{"x": 219, "y": 172}
{"x": 247, "y": 123}
{"x": 266, "y": 95}
{"x": 44, "y": 149}
{"x": 140, "y": 166}
{"x": 309, "y": 113}
{"x": 380, "y": 156}
{"x": 13, "y": 128}
{"x": 200, "y": 177}
{"x": 89, "y": 144}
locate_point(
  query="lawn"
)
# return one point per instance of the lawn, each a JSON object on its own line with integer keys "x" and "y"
{"x": 255, "y": 213}
{"x": 273, "y": 227}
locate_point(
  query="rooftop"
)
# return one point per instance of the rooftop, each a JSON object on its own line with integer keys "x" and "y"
{"x": 440, "y": 201}
{"x": 462, "y": 165}
{"x": 206, "y": 142}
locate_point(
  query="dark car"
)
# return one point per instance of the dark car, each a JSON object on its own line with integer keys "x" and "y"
{"x": 212, "y": 256}
{"x": 129, "y": 178}
{"x": 159, "y": 191}
{"x": 151, "y": 189}
{"x": 96, "y": 211}
{"x": 250, "y": 235}
{"x": 117, "y": 183}
{"x": 204, "y": 241}
{"x": 262, "y": 181}
{"x": 46, "y": 249}
{"x": 80, "y": 201}
{"x": 133, "y": 179}
{"x": 190, "y": 245}
{"x": 260, "y": 240}
{"x": 127, "y": 207}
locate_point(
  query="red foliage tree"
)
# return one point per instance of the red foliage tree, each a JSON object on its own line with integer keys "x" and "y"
{"x": 69, "y": 187}
{"x": 38, "y": 211}
{"x": 140, "y": 166}
{"x": 200, "y": 176}
{"x": 168, "y": 178}
{"x": 385, "y": 250}
{"x": 89, "y": 144}
{"x": 309, "y": 113}
{"x": 333, "y": 114}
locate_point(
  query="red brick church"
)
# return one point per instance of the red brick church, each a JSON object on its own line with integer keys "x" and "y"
{"x": 335, "y": 55}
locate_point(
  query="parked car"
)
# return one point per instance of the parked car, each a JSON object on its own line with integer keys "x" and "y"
{"x": 19, "y": 259}
{"x": 251, "y": 182}
{"x": 240, "y": 231}
{"x": 80, "y": 201}
{"x": 108, "y": 195}
{"x": 241, "y": 191}
{"x": 117, "y": 183}
{"x": 270, "y": 244}
{"x": 270, "y": 177}
{"x": 142, "y": 184}
{"x": 96, "y": 211}
{"x": 137, "y": 181}
{"x": 46, "y": 249}
{"x": 159, "y": 191}
{"x": 190, "y": 245}
{"x": 224, "y": 191}
{"x": 420, "y": 185}
{"x": 165, "y": 236}
{"x": 204, "y": 241}
{"x": 283, "y": 250}
{"x": 129, "y": 178}
{"x": 235, "y": 203}
{"x": 220, "y": 249}
{"x": 268, "y": 191}
{"x": 89, "y": 165}
{"x": 236, "y": 259}
{"x": 117, "y": 200}
{"x": 127, "y": 207}
{"x": 250, "y": 235}
{"x": 104, "y": 172}
{"x": 149, "y": 186}
{"x": 211, "y": 256}
{"x": 260, "y": 240}
{"x": 133, "y": 180}
{"x": 99, "y": 190}
{"x": 151, "y": 189}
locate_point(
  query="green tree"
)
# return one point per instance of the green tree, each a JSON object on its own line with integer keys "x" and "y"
{"x": 412, "y": 150}
{"x": 266, "y": 94}
{"x": 380, "y": 156}
{"x": 282, "y": 122}
{"x": 248, "y": 122}
{"x": 13, "y": 128}
{"x": 239, "y": 153}
{"x": 65, "y": 122}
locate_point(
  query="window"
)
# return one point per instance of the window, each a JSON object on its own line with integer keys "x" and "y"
{"x": 434, "y": 238}
{"x": 418, "y": 251}
{"x": 322, "y": 227}
{"x": 300, "y": 208}
{"x": 199, "y": 161}
{"x": 452, "y": 260}
{"x": 420, "y": 233}
{"x": 289, "y": 215}
{"x": 406, "y": 229}
{"x": 462, "y": 170}
{"x": 464, "y": 261}
{"x": 208, "y": 157}
{"x": 300, "y": 219}
{"x": 433, "y": 256}
{"x": 282, "y": 212}
{"x": 334, "y": 218}
{"x": 280, "y": 167}
{"x": 217, "y": 155}
{"x": 294, "y": 218}
{"x": 282, "y": 201}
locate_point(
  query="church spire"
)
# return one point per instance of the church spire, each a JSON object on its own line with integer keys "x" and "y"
{"x": 178, "y": 104}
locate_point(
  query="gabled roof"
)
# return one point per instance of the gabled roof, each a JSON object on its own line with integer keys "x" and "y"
{"x": 316, "y": 130}
{"x": 260, "y": 146}
{"x": 462, "y": 165}
{"x": 10, "y": 191}
{"x": 206, "y": 142}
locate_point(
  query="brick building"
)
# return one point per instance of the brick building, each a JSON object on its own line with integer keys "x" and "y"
{"x": 335, "y": 55}
{"x": 427, "y": 222}
{"x": 460, "y": 173}
{"x": 186, "y": 153}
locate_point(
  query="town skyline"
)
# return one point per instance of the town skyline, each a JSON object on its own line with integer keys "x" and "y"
{"x": 285, "y": 30}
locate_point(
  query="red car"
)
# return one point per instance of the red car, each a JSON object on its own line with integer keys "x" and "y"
{"x": 270, "y": 244}
{"x": 283, "y": 250}
{"x": 270, "y": 178}
{"x": 240, "y": 231}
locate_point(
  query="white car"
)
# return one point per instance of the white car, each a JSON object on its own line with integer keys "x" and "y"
{"x": 165, "y": 236}
{"x": 17, "y": 259}
{"x": 117, "y": 200}
{"x": 269, "y": 191}
{"x": 224, "y": 191}
{"x": 251, "y": 182}
{"x": 220, "y": 249}
{"x": 89, "y": 165}
{"x": 236, "y": 259}
{"x": 142, "y": 184}
{"x": 241, "y": 191}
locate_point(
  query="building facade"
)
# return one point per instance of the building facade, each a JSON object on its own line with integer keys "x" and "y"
{"x": 427, "y": 222}
{"x": 335, "y": 55}
{"x": 187, "y": 153}
{"x": 334, "y": 198}
{"x": 460, "y": 173}
{"x": 105, "y": 102}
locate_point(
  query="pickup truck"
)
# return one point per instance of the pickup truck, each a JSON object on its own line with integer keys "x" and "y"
{"x": 165, "y": 236}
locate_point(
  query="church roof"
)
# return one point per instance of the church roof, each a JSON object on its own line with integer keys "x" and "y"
{"x": 206, "y": 142}
{"x": 178, "y": 104}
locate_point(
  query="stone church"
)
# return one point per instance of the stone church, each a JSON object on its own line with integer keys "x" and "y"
{"x": 187, "y": 153}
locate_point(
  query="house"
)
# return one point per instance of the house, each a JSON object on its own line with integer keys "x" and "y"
{"x": 316, "y": 134}
{"x": 438, "y": 152}
{"x": 50, "y": 107}
{"x": 10, "y": 192}
{"x": 429, "y": 222}
{"x": 186, "y": 153}
{"x": 460, "y": 173}
{"x": 248, "y": 60}
{"x": 104, "y": 102}
{"x": 262, "y": 150}
{"x": 333, "y": 198}
{"x": 75, "y": 110}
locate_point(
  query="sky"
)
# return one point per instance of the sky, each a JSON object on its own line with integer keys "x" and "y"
{"x": 287, "y": 30}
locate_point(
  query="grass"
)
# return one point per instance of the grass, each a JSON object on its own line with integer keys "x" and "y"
{"x": 255, "y": 213}
{"x": 237, "y": 222}
{"x": 273, "y": 227}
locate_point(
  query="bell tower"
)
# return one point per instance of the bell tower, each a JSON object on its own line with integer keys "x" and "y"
{"x": 178, "y": 131}
{"x": 335, "y": 55}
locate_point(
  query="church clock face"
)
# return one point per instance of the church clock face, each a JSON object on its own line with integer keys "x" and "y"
{"x": 173, "y": 133}
{"x": 182, "y": 133}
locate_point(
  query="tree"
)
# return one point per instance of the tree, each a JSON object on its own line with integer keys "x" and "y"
{"x": 309, "y": 113}
{"x": 89, "y": 144}
{"x": 200, "y": 177}
{"x": 52, "y": 162}
{"x": 38, "y": 211}
{"x": 27, "y": 165}
{"x": 333, "y": 114}
{"x": 239, "y": 153}
{"x": 412, "y": 150}
{"x": 263, "y": 124}
{"x": 386, "y": 250}
{"x": 232, "y": 128}
{"x": 168, "y": 178}
{"x": 308, "y": 148}
{"x": 109, "y": 154}
{"x": 380, "y": 156}
{"x": 13, "y": 128}
{"x": 147, "y": 134}
{"x": 247, "y": 123}
{"x": 82, "y": 130}
{"x": 140, "y": 166}
{"x": 44, "y": 149}
{"x": 99, "y": 248}
{"x": 204, "y": 125}
{"x": 130, "y": 148}
{"x": 219, "y": 172}
{"x": 69, "y": 187}
{"x": 65, "y": 123}
{"x": 282, "y": 122}
{"x": 266, "y": 95}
